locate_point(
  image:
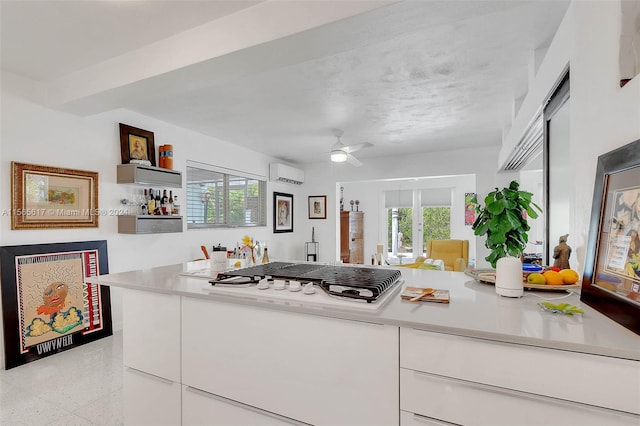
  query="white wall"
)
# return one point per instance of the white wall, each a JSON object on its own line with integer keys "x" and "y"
{"x": 603, "y": 115}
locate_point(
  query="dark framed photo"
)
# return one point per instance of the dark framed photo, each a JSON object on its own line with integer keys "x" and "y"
{"x": 317, "y": 207}
{"x": 282, "y": 212}
{"x": 611, "y": 281}
{"x": 44, "y": 197}
{"x": 49, "y": 304}
{"x": 137, "y": 144}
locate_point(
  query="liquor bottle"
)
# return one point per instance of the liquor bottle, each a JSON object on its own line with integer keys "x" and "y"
{"x": 176, "y": 206}
{"x": 143, "y": 203}
{"x": 164, "y": 203}
{"x": 265, "y": 256}
{"x": 151, "y": 208}
{"x": 158, "y": 210}
{"x": 170, "y": 208}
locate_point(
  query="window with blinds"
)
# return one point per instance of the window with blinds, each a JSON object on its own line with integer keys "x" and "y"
{"x": 219, "y": 197}
{"x": 423, "y": 212}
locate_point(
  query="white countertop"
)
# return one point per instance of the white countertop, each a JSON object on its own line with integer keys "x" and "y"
{"x": 475, "y": 310}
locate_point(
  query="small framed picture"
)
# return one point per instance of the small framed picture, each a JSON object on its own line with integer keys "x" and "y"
{"x": 282, "y": 212}
{"x": 137, "y": 144}
{"x": 317, "y": 207}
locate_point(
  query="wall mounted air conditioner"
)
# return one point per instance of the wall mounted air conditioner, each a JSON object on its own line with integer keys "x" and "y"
{"x": 283, "y": 173}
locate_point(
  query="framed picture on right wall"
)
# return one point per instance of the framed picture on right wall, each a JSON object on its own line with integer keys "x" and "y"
{"x": 611, "y": 281}
{"x": 317, "y": 207}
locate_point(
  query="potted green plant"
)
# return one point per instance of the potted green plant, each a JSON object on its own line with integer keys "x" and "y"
{"x": 504, "y": 221}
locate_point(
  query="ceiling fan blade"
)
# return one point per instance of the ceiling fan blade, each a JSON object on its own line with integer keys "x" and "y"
{"x": 357, "y": 147}
{"x": 353, "y": 161}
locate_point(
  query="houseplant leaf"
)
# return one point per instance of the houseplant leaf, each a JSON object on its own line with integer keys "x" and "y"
{"x": 503, "y": 222}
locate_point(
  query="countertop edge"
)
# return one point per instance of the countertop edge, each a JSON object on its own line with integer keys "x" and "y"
{"x": 353, "y": 315}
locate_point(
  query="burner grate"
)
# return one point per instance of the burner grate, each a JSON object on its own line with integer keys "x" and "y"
{"x": 274, "y": 269}
{"x": 348, "y": 281}
{"x": 345, "y": 281}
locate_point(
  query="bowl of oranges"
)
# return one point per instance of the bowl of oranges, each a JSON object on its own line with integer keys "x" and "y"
{"x": 535, "y": 277}
{"x": 552, "y": 278}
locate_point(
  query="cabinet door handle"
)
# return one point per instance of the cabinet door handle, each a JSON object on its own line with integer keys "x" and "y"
{"x": 430, "y": 420}
{"x": 149, "y": 375}
{"x": 245, "y": 406}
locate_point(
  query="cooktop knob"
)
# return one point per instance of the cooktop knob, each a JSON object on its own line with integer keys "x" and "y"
{"x": 294, "y": 285}
{"x": 308, "y": 288}
{"x": 263, "y": 284}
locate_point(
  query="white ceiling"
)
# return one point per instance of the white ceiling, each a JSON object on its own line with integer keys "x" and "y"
{"x": 409, "y": 77}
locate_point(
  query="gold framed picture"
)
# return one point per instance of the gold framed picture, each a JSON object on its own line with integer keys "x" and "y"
{"x": 46, "y": 197}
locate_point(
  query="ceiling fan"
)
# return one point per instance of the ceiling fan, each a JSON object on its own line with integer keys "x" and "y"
{"x": 341, "y": 152}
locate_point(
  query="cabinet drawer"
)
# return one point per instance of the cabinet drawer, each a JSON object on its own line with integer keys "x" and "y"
{"x": 151, "y": 335}
{"x": 314, "y": 369}
{"x": 590, "y": 379}
{"x": 203, "y": 408}
{"x": 130, "y": 224}
{"x": 150, "y": 400}
{"x": 468, "y": 403}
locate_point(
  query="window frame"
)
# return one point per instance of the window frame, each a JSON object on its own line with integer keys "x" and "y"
{"x": 228, "y": 175}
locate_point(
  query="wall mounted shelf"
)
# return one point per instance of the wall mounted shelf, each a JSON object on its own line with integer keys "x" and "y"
{"x": 141, "y": 224}
{"x": 148, "y": 175}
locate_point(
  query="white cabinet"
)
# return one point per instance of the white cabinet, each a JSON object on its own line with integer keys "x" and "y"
{"x": 203, "y": 408}
{"x": 151, "y": 333}
{"x": 476, "y": 381}
{"x": 469, "y": 403}
{"x": 150, "y": 400}
{"x": 151, "y": 355}
{"x": 312, "y": 369}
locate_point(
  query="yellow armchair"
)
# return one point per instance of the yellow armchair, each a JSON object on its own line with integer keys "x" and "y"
{"x": 454, "y": 253}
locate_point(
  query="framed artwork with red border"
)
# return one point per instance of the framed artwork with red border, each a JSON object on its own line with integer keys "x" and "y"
{"x": 49, "y": 304}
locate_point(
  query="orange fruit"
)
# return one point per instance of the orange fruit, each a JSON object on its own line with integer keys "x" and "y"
{"x": 569, "y": 276}
{"x": 553, "y": 277}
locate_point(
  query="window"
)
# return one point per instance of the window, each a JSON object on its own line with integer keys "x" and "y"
{"x": 436, "y": 223}
{"x": 218, "y": 197}
{"x": 422, "y": 212}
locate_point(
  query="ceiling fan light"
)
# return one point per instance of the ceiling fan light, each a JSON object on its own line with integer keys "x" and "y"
{"x": 338, "y": 156}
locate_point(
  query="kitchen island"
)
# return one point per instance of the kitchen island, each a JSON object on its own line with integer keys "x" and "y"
{"x": 197, "y": 354}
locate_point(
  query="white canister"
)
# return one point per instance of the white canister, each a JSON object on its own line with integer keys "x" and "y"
{"x": 218, "y": 261}
{"x": 509, "y": 277}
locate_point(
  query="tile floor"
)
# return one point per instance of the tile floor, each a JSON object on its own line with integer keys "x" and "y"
{"x": 81, "y": 386}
